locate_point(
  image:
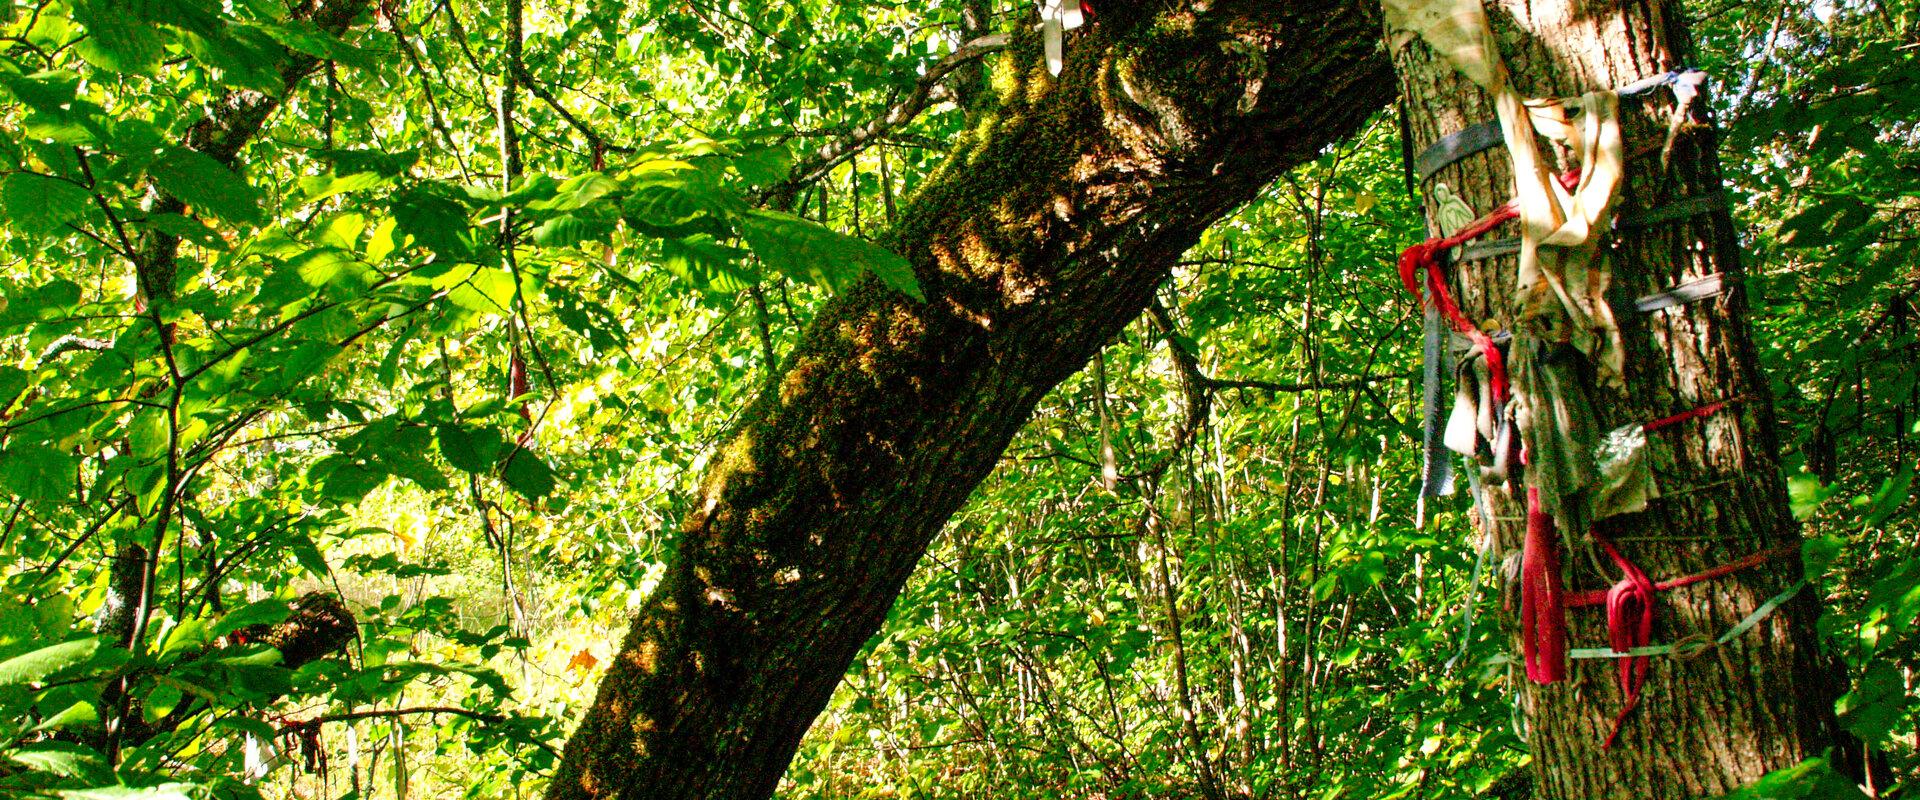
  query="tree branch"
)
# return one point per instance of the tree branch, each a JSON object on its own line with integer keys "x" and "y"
{"x": 833, "y": 154}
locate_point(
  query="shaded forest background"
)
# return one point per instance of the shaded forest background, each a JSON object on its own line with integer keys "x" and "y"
{"x": 1196, "y": 566}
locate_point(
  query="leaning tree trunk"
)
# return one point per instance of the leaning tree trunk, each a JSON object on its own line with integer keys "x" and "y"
{"x": 1045, "y": 233}
{"x": 1764, "y": 700}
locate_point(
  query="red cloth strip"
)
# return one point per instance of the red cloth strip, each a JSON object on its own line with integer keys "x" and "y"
{"x": 1598, "y": 596}
{"x": 1543, "y": 624}
{"x": 1424, "y": 259}
{"x": 1696, "y": 413}
{"x": 1629, "y": 625}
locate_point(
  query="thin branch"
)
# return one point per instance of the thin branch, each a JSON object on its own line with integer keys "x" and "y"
{"x": 823, "y": 160}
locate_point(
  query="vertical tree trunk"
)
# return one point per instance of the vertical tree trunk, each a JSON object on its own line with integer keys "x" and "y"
{"x": 1763, "y": 701}
{"x": 1044, "y": 233}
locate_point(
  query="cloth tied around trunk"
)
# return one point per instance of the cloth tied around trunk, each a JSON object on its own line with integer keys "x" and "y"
{"x": 1560, "y": 226}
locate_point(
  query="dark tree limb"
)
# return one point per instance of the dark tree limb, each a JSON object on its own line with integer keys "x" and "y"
{"x": 319, "y": 625}
{"x": 1044, "y": 234}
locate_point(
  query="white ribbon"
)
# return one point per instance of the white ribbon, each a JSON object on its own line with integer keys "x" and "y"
{"x": 1057, "y": 16}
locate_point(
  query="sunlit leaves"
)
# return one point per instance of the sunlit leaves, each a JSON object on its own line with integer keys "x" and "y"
{"x": 808, "y": 252}
{"x": 37, "y": 205}
{"x": 486, "y": 290}
{"x": 198, "y": 180}
{"x": 120, "y": 38}
{"x": 705, "y": 262}
{"x": 568, "y": 230}
{"x": 46, "y": 661}
{"x": 36, "y": 472}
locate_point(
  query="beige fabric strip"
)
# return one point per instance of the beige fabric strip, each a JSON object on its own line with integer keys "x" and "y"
{"x": 1560, "y": 229}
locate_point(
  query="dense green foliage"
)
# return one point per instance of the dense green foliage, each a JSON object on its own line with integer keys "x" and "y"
{"x": 474, "y": 407}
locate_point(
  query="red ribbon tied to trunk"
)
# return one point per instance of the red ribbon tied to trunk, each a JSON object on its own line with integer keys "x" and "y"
{"x": 1543, "y": 627}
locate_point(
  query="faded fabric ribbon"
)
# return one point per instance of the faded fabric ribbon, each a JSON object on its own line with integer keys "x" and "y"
{"x": 1057, "y": 16}
{"x": 1567, "y": 223}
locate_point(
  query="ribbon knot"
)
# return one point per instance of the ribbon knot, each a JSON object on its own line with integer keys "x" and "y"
{"x": 1629, "y": 625}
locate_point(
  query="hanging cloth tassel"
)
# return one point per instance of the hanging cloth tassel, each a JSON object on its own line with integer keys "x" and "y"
{"x": 1057, "y": 16}
{"x": 1543, "y": 619}
{"x": 1629, "y": 625}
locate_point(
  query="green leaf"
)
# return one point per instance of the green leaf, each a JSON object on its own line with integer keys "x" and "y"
{"x": 66, "y": 759}
{"x": 577, "y": 192}
{"x": 165, "y": 791}
{"x": 1813, "y": 779}
{"x": 343, "y": 478}
{"x": 1819, "y": 553}
{"x": 324, "y": 266}
{"x": 568, "y": 230}
{"x": 80, "y": 713}
{"x": 46, "y": 661}
{"x": 434, "y": 221}
{"x": 488, "y": 290}
{"x": 1875, "y": 705}
{"x": 1805, "y": 494}
{"x": 259, "y": 730}
{"x": 263, "y": 612}
{"x": 706, "y": 263}
{"x": 36, "y": 205}
{"x": 527, "y": 474}
{"x": 469, "y": 450}
{"x": 1888, "y": 498}
{"x": 308, "y": 555}
{"x": 189, "y": 229}
{"x": 50, "y": 92}
{"x": 37, "y": 472}
{"x": 305, "y": 37}
{"x": 247, "y": 58}
{"x": 160, "y": 702}
{"x": 673, "y": 198}
{"x": 117, "y": 40}
{"x": 381, "y": 162}
{"x": 809, "y": 252}
{"x": 198, "y": 180}
{"x": 149, "y": 434}
{"x": 320, "y": 187}
{"x": 763, "y": 165}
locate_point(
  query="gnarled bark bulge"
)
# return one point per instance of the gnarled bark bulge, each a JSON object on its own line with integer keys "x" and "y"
{"x": 1042, "y": 236}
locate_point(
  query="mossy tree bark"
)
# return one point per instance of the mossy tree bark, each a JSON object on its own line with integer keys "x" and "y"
{"x": 1711, "y": 723}
{"x": 1045, "y": 233}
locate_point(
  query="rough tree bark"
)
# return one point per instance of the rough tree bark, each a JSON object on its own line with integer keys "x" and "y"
{"x": 1044, "y": 234}
{"x": 1763, "y": 701}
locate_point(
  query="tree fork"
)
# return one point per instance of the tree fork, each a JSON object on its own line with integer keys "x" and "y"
{"x": 1043, "y": 235}
{"x": 1764, "y": 700}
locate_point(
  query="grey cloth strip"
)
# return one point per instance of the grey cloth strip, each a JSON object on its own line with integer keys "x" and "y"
{"x": 1486, "y": 135}
{"x": 1678, "y": 209}
{"x": 1475, "y": 139}
{"x": 1681, "y": 209}
{"x": 1436, "y": 470}
{"x": 1689, "y": 292}
{"x": 1497, "y": 247}
{"x": 1461, "y": 344}
{"x": 1479, "y": 563}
